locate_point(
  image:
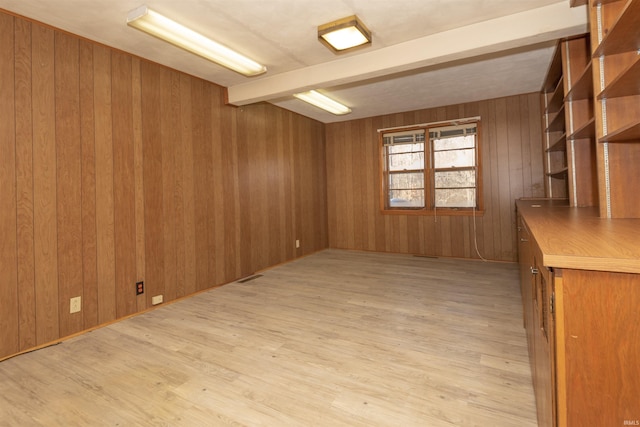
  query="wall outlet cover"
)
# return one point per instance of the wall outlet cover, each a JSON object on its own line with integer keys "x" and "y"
{"x": 156, "y": 300}
{"x": 75, "y": 305}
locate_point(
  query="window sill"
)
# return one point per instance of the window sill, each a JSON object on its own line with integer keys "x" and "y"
{"x": 437, "y": 212}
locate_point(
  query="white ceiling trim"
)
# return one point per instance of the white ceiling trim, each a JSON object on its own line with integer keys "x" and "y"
{"x": 521, "y": 29}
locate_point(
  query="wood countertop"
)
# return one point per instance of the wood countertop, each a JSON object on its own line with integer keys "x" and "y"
{"x": 578, "y": 238}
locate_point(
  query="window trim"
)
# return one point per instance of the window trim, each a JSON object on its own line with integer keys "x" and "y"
{"x": 429, "y": 172}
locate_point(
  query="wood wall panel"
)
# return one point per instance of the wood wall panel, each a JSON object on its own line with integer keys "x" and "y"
{"x": 88, "y": 204}
{"x": 24, "y": 184}
{"x": 44, "y": 185}
{"x": 105, "y": 227}
{"x": 511, "y": 159}
{"x": 179, "y": 193}
{"x": 168, "y": 139}
{"x": 123, "y": 184}
{"x": 188, "y": 199}
{"x": 68, "y": 180}
{"x": 138, "y": 162}
{"x": 219, "y": 191}
{"x": 9, "y": 318}
{"x": 118, "y": 170}
{"x": 153, "y": 180}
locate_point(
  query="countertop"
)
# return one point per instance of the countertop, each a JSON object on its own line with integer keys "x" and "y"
{"x": 578, "y": 238}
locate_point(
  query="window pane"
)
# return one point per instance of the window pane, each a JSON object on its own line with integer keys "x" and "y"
{"x": 406, "y": 190}
{"x": 456, "y": 198}
{"x": 468, "y": 141}
{"x": 408, "y": 181}
{"x": 406, "y": 157}
{"x": 455, "y": 179}
{"x": 455, "y": 158}
{"x": 406, "y": 198}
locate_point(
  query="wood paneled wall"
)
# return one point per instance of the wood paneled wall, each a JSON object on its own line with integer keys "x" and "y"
{"x": 512, "y": 168}
{"x": 115, "y": 170}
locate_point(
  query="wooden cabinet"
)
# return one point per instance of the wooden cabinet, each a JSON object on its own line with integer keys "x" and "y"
{"x": 615, "y": 32}
{"x": 580, "y": 277}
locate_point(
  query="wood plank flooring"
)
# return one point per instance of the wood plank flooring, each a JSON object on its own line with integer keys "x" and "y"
{"x": 338, "y": 338}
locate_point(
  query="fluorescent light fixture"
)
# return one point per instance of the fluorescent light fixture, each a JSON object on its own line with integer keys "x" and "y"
{"x": 344, "y": 34}
{"x": 322, "y": 101}
{"x": 151, "y": 22}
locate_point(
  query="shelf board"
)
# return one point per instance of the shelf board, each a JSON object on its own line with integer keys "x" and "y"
{"x": 583, "y": 88}
{"x": 597, "y": 2}
{"x": 559, "y": 144}
{"x": 559, "y": 173}
{"x": 556, "y": 124}
{"x": 626, "y": 84}
{"x": 624, "y": 34}
{"x": 629, "y": 132}
{"x": 587, "y": 130}
{"x": 555, "y": 102}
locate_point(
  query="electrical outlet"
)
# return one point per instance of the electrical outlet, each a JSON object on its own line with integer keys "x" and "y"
{"x": 139, "y": 288}
{"x": 75, "y": 304}
{"x": 297, "y": 244}
{"x": 156, "y": 300}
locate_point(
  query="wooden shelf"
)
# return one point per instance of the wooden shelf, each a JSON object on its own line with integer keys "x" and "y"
{"x": 555, "y": 102}
{"x": 558, "y": 145}
{"x": 624, "y": 34}
{"x": 583, "y": 88}
{"x": 626, "y": 84}
{"x": 587, "y": 130}
{"x": 559, "y": 173}
{"x": 556, "y": 124}
{"x": 554, "y": 73}
{"x": 595, "y": 3}
{"x": 627, "y": 133}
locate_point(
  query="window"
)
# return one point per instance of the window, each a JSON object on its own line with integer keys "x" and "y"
{"x": 441, "y": 172}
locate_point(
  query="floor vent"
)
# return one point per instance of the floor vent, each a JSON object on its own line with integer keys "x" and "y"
{"x": 247, "y": 279}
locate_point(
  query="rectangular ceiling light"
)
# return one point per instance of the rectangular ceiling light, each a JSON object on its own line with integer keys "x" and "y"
{"x": 322, "y": 101}
{"x": 160, "y": 26}
{"x": 344, "y": 34}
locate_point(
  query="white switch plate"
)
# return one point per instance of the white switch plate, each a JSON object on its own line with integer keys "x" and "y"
{"x": 297, "y": 244}
{"x": 156, "y": 300}
{"x": 75, "y": 304}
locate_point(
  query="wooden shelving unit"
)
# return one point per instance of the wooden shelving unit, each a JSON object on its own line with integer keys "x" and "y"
{"x": 569, "y": 125}
{"x": 553, "y": 125}
{"x": 616, "y": 31}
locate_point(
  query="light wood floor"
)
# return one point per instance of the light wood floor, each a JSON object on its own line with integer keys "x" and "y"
{"x": 334, "y": 339}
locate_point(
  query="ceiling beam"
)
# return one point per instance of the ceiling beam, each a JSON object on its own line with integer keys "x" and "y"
{"x": 551, "y": 22}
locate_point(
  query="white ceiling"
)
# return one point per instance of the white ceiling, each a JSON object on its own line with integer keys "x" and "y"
{"x": 425, "y": 53}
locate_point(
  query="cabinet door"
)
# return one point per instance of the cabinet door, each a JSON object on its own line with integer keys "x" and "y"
{"x": 544, "y": 346}
{"x": 599, "y": 340}
{"x": 525, "y": 255}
